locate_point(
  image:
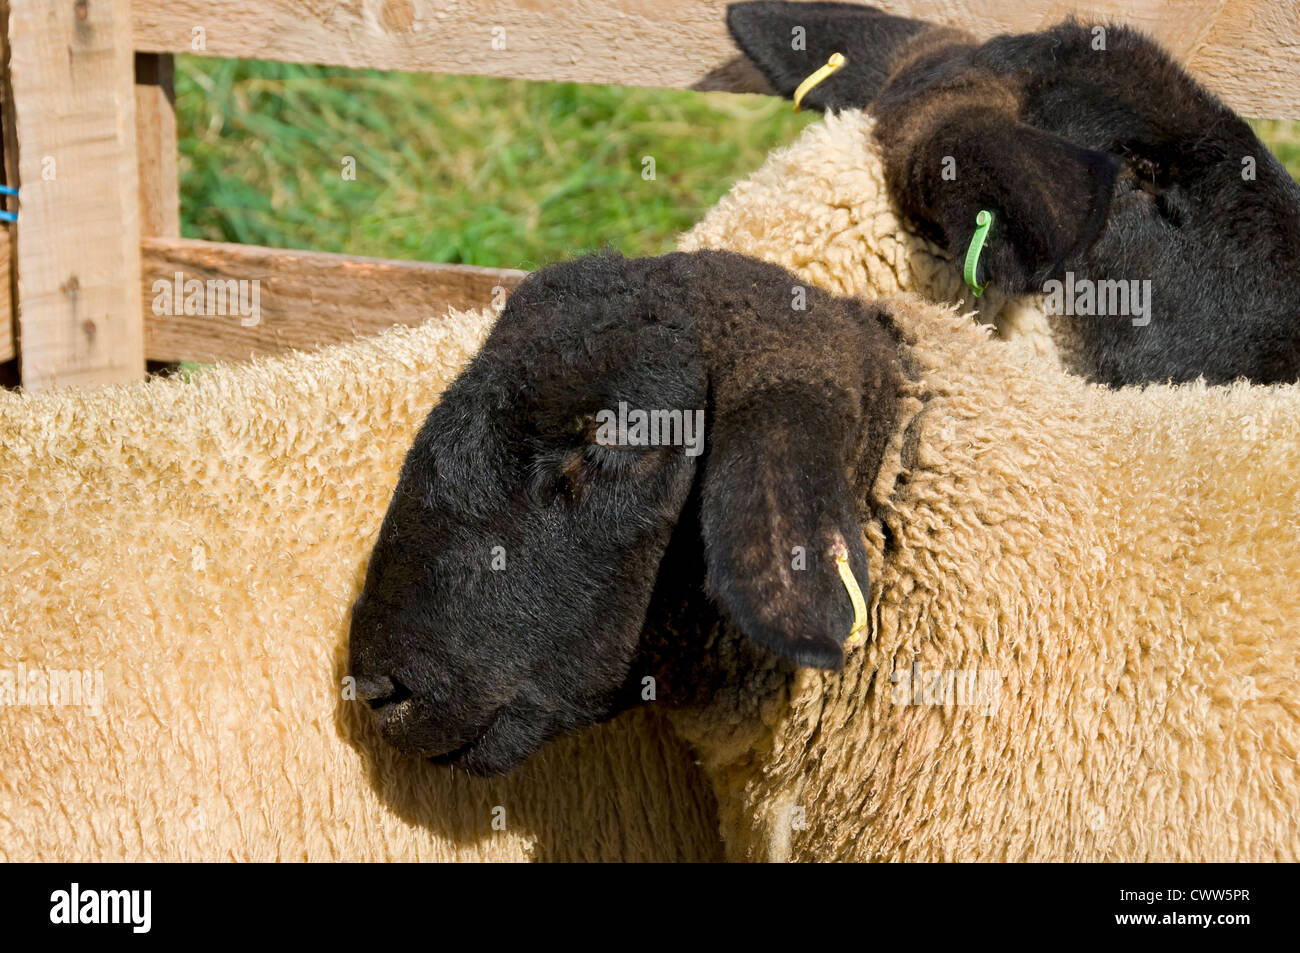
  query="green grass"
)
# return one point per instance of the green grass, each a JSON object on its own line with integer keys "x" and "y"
{"x": 462, "y": 169}
{"x": 455, "y": 169}
{"x": 1283, "y": 138}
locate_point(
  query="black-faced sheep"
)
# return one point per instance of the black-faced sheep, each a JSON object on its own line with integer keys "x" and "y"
{"x": 507, "y": 595}
{"x": 1108, "y": 171}
{"x": 1082, "y": 638}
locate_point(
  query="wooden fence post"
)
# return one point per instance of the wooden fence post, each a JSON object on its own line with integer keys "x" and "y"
{"x": 71, "y": 111}
{"x": 155, "y": 125}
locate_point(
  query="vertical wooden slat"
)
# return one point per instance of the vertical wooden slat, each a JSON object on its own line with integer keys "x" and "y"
{"x": 72, "y": 113}
{"x": 9, "y": 152}
{"x": 155, "y": 125}
{"x": 7, "y": 351}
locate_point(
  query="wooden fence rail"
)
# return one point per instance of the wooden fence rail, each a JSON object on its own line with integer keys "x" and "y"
{"x": 90, "y": 139}
{"x": 304, "y": 299}
{"x": 1248, "y": 51}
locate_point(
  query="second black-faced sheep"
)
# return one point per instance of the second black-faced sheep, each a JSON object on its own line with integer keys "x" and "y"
{"x": 1106, "y": 167}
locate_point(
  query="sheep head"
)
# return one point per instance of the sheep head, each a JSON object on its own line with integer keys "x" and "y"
{"x": 523, "y": 551}
{"x": 1105, "y": 166}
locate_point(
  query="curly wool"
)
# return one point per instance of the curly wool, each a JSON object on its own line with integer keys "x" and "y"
{"x": 1120, "y": 565}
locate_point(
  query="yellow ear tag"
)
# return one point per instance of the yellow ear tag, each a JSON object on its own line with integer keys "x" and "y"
{"x": 841, "y": 553}
{"x": 834, "y": 63}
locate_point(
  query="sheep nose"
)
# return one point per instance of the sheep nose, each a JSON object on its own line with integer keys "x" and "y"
{"x": 378, "y": 690}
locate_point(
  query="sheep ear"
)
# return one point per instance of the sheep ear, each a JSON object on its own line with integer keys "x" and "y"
{"x": 789, "y": 41}
{"x": 775, "y": 507}
{"x": 1049, "y": 197}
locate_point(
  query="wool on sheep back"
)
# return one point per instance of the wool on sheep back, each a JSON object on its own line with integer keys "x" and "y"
{"x": 195, "y": 548}
{"x": 1086, "y": 629}
{"x": 1085, "y": 632}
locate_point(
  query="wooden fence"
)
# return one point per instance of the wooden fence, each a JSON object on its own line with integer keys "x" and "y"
{"x": 90, "y": 141}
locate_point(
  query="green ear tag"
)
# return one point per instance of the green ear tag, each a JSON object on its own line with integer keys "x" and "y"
{"x": 983, "y": 222}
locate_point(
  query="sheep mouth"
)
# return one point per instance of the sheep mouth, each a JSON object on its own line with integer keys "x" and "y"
{"x": 457, "y": 755}
{"x": 406, "y": 724}
{"x": 399, "y": 694}
{"x": 452, "y": 757}
{"x": 394, "y": 716}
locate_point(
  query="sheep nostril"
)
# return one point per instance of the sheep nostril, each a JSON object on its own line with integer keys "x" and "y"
{"x": 380, "y": 690}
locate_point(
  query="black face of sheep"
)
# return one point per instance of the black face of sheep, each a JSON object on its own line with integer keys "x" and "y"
{"x": 1164, "y": 232}
{"x": 506, "y": 596}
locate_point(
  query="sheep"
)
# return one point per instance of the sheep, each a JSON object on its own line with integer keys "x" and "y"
{"x": 1106, "y": 168}
{"x": 1081, "y": 642}
{"x": 68, "y": 447}
{"x": 180, "y": 561}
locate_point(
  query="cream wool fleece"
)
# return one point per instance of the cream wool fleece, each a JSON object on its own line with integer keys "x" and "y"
{"x": 1086, "y": 620}
{"x": 1085, "y": 639}
{"x": 196, "y": 547}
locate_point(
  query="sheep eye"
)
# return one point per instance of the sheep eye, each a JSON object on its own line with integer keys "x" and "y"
{"x": 569, "y": 473}
{"x": 572, "y": 461}
{"x": 613, "y": 461}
